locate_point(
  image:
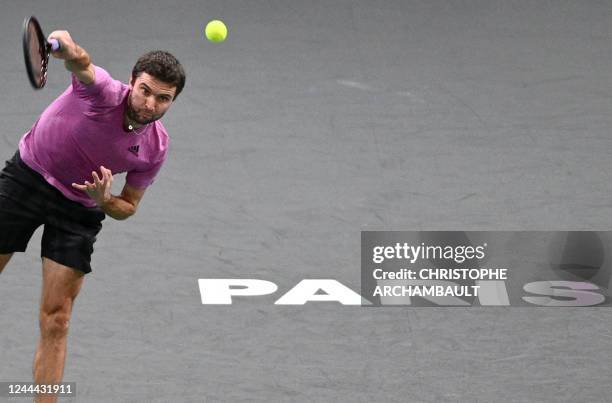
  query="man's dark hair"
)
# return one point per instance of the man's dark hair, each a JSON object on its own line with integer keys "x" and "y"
{"x": 163, "y": 66}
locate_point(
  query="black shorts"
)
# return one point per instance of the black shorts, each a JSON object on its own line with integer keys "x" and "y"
{"x": 28, "y": 201}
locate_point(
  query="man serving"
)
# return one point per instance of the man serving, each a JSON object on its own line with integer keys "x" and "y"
{"x": 62, "y": 173}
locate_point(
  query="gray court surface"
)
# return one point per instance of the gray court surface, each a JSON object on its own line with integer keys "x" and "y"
{"x": 316, "y": 120}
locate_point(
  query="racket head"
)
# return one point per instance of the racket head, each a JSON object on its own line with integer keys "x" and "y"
{"x": 35, "y": 52}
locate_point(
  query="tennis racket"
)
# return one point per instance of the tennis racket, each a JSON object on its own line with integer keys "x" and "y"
{"x": 36, "y": 52}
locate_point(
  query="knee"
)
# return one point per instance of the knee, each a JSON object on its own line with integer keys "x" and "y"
{"x": 54, "y": 323}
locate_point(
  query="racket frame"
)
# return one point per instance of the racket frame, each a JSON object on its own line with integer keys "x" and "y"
{"x": 37, "y": 79}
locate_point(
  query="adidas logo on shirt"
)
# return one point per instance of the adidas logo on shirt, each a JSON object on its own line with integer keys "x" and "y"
{"x": 134, "y": 149}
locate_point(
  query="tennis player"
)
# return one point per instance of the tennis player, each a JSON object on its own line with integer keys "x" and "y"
{"x": 61, "y": 177}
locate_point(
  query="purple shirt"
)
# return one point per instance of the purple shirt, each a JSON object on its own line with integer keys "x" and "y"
{"x": 83, "y": 129}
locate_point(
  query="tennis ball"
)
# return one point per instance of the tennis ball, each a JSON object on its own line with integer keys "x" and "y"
{"x": 216, "y": 31}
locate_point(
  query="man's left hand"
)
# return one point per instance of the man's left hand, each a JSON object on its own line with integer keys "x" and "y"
{"x": 100, "y": 189}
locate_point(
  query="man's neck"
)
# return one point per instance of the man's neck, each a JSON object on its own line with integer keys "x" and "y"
{"x": 130, "y": 125}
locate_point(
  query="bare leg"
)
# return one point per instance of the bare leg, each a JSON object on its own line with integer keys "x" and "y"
{"x": 61, "y": 285}
{"x": 4, "y": 260}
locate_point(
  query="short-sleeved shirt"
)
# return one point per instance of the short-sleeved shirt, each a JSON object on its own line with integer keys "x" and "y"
{"x": 83, "y": 129}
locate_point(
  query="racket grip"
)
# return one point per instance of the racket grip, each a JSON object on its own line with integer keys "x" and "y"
{"x": 55, "y": 45}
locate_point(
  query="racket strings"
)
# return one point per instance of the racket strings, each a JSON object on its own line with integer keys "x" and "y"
{"x": 44, "y": 55}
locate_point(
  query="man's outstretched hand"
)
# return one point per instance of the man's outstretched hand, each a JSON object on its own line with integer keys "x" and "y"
{"x": 100, "y": 189}
{"x": 76, "y": 59}
{"x": 68, "y": 48}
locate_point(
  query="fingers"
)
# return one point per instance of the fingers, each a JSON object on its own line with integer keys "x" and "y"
{"x": 106, "y": 172}
{"x": 101, "y": 182}
{"x": 62, "y": 36}
{"x": 57, "y": 36}
{"x": 67, "y": 45}
{"x": 86, "y": 187}
{"x": 97, "y": 180}
{"x": 108, "y": 177}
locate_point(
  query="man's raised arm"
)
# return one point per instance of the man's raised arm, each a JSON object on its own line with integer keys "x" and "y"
{"x": 76, "y": 59}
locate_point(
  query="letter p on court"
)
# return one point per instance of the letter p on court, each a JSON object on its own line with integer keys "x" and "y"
{"x": 219, "y": 291}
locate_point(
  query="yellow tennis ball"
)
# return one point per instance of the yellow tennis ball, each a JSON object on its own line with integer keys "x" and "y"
{"x": 216, "y": 31}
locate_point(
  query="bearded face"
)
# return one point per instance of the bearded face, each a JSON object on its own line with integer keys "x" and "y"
{"x": 149, "y": 99}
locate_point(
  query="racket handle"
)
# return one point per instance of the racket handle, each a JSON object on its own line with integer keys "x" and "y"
{"x": 55, "y": 45}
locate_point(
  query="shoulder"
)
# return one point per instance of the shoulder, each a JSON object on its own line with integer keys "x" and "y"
{"x": 158, "y": 141}
{"x": 161, "y": 133}
{"x": 104, "y": 89}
